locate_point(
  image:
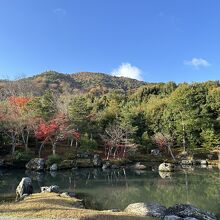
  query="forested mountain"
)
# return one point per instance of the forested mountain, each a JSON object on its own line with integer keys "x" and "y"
{"x": 89, "y": 80}
{"x": 83, "y": 81}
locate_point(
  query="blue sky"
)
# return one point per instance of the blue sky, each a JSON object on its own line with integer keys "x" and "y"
{"x": 153, "y": 40}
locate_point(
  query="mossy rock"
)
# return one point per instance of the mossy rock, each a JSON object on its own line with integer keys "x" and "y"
{"x": 66, "y": 164}
{"x": 84, "y": 163}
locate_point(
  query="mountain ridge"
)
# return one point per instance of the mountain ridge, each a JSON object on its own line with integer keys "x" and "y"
{"x": 80, "y": 81}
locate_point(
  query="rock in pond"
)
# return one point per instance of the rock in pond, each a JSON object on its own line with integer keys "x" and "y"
{"x": 143, "y": 209}
{"x": 138, "y": 166}
{"x": 97, "y": 161}
{"x": 186, "y": 211}
{"x": 24, "y": 187}
{"x": 37, "y": 164}
{"x": 166, "y": 167}
{"x": 53, "y": 167}
{"x": 52, "y": 188}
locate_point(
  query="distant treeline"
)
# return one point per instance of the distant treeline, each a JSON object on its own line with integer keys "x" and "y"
{"x": 115, "y": 119}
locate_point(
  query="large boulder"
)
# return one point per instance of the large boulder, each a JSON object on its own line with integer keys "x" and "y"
{"x": 97, "y": 161}
{"x": 166, "y": 167}
{"x": 52, "y": 188}
{"x": 24, "y": 187}
{"x": 37, "y": 164}
{"x": 138, "y": 166}
{"x": 189, "y": 211}
{"x": 143, "y": 209}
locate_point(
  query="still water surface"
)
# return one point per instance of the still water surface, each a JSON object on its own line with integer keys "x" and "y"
{"x": 118, "y": 188}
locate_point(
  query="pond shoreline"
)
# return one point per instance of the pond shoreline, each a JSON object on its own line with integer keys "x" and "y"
{"x": 53, "y": 205}
{"x": 90, "y": 163}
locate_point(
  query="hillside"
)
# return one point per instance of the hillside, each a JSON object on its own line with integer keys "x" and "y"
{"x": 60, "y": 82}
{"x": 89, "y": 80}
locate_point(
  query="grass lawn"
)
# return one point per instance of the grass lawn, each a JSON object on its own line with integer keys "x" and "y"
{"x": 51, "y": 205}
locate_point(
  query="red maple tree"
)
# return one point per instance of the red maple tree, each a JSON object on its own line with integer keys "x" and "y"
{"x": 55, "y": 130}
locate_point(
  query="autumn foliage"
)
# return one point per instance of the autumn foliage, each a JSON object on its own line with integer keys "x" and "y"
{"x": 45, "y": 130}
{"x": 20, "y": 121}
{"x": 55, "y": 130}
{"x": 18, "y": 101}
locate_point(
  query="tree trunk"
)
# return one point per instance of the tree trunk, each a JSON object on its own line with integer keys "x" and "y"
{"x": 183, "y": 133}
{"x": 184, "y": 139}
{"x": 13, "y": 149}
{"x": 13, "y": 144}
{"x": 116, "y": 149}
{"x": 54, "y": 149}
{"x": 27, "y": 140}
{"x": 109, "y": 152}
{"x": 171, "y": 152}
{"x": 124, "y": 151}
{"x": 71, "y": 142}
{"x": 40, "y": 149}
{"x": 126, "y": 144}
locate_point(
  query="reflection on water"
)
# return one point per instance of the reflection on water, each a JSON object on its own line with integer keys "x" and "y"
{"x": 117, "y": 188}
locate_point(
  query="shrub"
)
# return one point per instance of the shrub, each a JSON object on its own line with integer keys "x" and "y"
{"x": 53, "y": 159}
{"x": 146, "y": 143}
{"x": 210, "y": 138}
{"x": 22, "y": 155}
{"x": 87, "y": 144}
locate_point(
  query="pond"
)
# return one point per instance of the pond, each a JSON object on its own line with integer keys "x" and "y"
{"x": 115, "y": 189}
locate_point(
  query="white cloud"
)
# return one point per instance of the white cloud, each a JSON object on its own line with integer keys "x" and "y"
{"x": 197, "y": 62}
{"x": 59, "y": 11}
{"x": 127, "y": 70}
